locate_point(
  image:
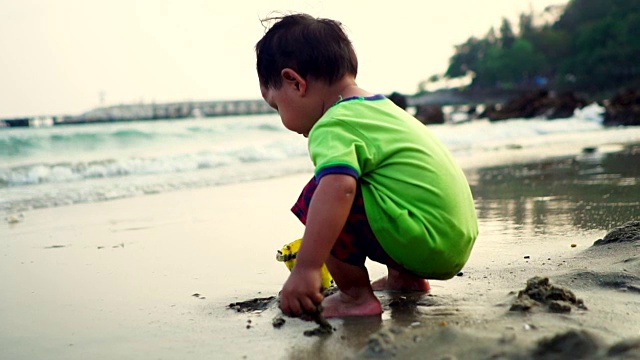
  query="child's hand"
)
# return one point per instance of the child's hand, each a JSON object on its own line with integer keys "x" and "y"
{"x": 301, "y": 292}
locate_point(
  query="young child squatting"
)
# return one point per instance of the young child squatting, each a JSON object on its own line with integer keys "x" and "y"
{"x": 385, "y": 188}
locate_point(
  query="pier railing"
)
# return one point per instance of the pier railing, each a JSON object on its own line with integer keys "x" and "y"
{"x": 137, "y": 112}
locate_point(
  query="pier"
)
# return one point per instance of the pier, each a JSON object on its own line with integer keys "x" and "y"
{"x": 177, "y": 110}
{"x": 142, "y": 112}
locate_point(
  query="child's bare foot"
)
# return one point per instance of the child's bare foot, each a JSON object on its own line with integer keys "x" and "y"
{"x": 401, "y": 281}
{"x": 341, "y": 304}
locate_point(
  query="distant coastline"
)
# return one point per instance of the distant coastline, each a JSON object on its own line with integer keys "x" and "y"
{"x": 427, "y": 106}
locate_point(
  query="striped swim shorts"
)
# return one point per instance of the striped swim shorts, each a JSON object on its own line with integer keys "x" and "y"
{"x": 356, "y": 241}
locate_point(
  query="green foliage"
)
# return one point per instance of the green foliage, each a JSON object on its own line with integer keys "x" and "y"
{"x": 594, "y": 45}
{"x": 505, "y": 67}
{"x": 507, "y": 37}
{"x": 554, "y": 45}
{"x": 466, "y": 57}
{"x": 605, "y": 51}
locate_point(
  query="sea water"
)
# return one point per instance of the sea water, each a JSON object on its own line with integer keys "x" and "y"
{"x": 529, "y": 194}
{"x": 62, "y": 165}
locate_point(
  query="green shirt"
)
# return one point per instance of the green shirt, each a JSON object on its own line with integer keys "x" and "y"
{"x": 417, "y": 199}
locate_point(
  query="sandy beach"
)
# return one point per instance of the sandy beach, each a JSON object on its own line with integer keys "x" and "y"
{"x": 151, "y": 277}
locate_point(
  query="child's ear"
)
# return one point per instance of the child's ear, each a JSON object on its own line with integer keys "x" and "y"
{"x": 292, "y": 78}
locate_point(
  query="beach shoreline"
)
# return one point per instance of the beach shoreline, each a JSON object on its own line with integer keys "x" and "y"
{"x": 151, "y": 277}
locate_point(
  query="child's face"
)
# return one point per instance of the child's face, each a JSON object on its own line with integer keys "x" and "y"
{"x": 293, "y": 109}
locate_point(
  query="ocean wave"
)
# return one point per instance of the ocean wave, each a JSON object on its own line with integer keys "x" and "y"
{"x": 90, "y": 152}
{"x": 26, "y": 142}
{"x": 69, "y": 172}
{"x": 55, "y": 166}
{"x": 50, "y": 194}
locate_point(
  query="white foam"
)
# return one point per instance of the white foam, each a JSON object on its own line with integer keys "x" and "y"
{"x": 119, "y": 160}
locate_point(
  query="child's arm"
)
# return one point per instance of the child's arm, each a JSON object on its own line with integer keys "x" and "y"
{"x": 328, "y": 212}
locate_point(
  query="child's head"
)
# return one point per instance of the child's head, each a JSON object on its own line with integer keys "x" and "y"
{"x": 316, "y": 48}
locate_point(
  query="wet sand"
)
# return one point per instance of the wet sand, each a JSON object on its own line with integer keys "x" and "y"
{"x": 151, "y": 277}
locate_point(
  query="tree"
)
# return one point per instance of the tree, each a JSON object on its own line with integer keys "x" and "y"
{"x": 466, "y": 57}
{"x": 592, "y": 46}
{"x": 507, "y": 37}
{"x": 526, "y": 25}
{"x": 510, "y": 67}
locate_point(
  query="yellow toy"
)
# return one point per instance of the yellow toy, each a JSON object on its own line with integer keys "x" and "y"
{"x": 288, "y": 256}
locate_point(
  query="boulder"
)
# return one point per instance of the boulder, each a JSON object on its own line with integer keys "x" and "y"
{"x": 399, "y": 100}
{"x": 564, "y": 105}
{"x": 623, "y": 109}
{"x": 526, "y": 106}
{"x": 488, "y": 109}
{"x": 430, "y": 114}
{"x": 536, "y": 104}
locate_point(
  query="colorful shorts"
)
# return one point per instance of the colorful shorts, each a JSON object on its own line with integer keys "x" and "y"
{"x": 356, "y": 242}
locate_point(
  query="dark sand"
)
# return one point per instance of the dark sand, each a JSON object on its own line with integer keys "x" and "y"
{"x": 152, "y": 277}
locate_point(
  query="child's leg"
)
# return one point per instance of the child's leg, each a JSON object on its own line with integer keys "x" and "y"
{"x": 355, "y": 297}
{"x": 346, "y": 263}
{"x": 401, "y": 281}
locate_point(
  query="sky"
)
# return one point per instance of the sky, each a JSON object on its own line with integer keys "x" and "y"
{"x": 69, "y": 56}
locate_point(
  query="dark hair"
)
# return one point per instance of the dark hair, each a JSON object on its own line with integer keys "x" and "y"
{"x": 318, "y": 48}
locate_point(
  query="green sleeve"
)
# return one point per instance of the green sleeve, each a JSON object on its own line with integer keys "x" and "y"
{"x": 334, "y": 143}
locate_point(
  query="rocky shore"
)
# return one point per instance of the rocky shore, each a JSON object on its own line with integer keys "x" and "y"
{"x": 622, "y": 109}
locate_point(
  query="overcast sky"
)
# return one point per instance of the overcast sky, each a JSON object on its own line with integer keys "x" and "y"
{"x": 69, "y": 56}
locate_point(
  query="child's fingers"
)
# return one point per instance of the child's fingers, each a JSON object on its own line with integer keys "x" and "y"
{"x": 296, "y": 307}
{"x": 308, "y": 305}
{"x": 290, "y": 306}
{"x": 317, "y": 298}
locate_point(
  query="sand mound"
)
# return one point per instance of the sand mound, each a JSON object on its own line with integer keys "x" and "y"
{"x": 539, "y": 291}
{"x": 627, "y": 232}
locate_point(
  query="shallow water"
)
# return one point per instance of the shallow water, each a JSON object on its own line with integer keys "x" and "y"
{"x": 119, "y": 283}
{"x": 561, "y": 196}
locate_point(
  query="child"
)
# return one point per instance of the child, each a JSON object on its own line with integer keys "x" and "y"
{"x": 384, "y": 187}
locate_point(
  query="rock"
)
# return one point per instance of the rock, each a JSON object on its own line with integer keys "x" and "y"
{"x": 526, "y": 106}
{"x": 488, "y": 109}
{"x": 536, "y": 104}
{"x": 564, "y": 105}
{"x": 623, "y": 109}
{"x": 627, "y": 232}
{"x": 399, "y": 99}
{"x": 430, "y": 114}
